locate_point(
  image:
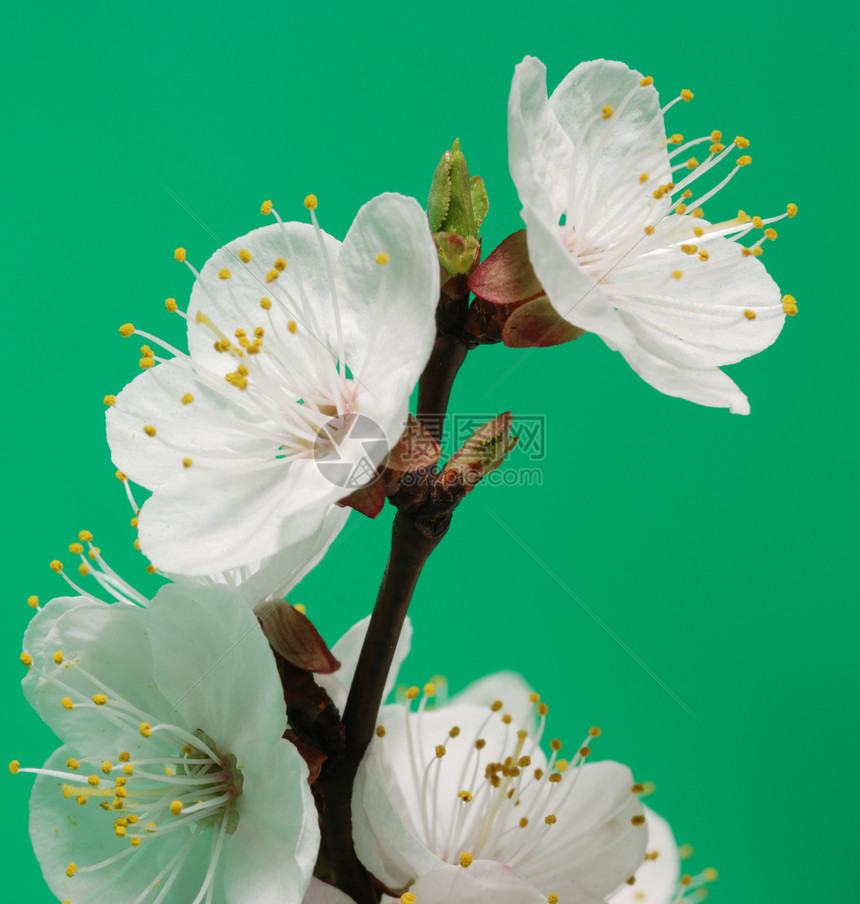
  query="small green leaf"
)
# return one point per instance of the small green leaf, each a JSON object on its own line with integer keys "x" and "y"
{"x": 440, "y": 193}
{"x": 480, "y": 201}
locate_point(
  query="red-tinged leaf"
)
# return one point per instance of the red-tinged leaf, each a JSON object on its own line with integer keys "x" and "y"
{"x": 416, "y": 449}
{"x": 368, "y": 499}
{"x": 313, "y": 757}
{"x": 482, "y": 453}
{"x": 537, "y": 324}
{"x": 507, "y": 276}
{"x": 291, "y": 635}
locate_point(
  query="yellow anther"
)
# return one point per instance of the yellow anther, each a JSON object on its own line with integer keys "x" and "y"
{"x": 135, "y": 842}
{"x": 176, "y": 807}
{"x": 550, "y": 820}
{"x": 677, "y": 274}
{"x": 506, "y": 718}
{"x": 311, "y": 202}
{"x": 552, "y": 899}
{"x": 26, "y": 659}
{"x": 110, "y": 400}
{"x": 93, "y": 780}
{"x": 72, "y": 763}
{"x": 146, "y": 363}
{"x": 124, "y": 756}
{"x": 245, "y": 256}
{"x": 120, "y": 793}
{"x": 687, "y": 194}
{"x": 648, "y": 80}
{"x": 56, "y": 565}
{"x": 524, "y": 822}
{"x": 717, "y": 148}
{"x": 280, "y": 264}
{"x": 187, "y": 399}
{"x": 649, "y": 230}
{"x": 698, "y": 231}
{"x": 465, "y": 796}
{"x": 555, "y": 778}
{"x": 58, "y": 657}
{"x": 149, "y": 430}
{"x": 136, "y": 544}
{"x": 637, "y": 820}
{"x": 266, "y": 303}
{"x": 480, "y": 744}
{"x": 119, "y": 831}
{"x": 789, "y": 305}
{"x": 380, "y": 731}
{"x": 291, "y": 326}
{"x": 14, "y": 766}
{"x": 454, "y": 731}
{"x": 770, "y": 233}
{"x": 440, "y": 751}
{"x": 408, "y": 898}
{"x": 716, "y": 135}
{"x": 692, "y": 163}
{"x": 465, "y": 859}
{"x": 534, "y": 698}
{"x": 677, "y": 138}
{"x": 757, "y": 222}
{"x": 685, "y": 880}
{"x": 412, "y": 693}
{"x": 746, "y": 160}
{"x": 67, "y": 703}
{"x": 698, "y": 212}
{"x": 179, "y": 254}
{"x": 687, "y": 94}
{"x": 791, "y": 210}
{"x": 259, "y": 332}
{"x": 382, "y": 258}
{"x": 272, "y": 275}
{"x": 107, "y": 765}
{"x": 128, "y": 769}
{"x": 71, "y": 869}
{"x": 743, "y": 217}
{"x": 584, "y": 752}
{"x": 637, "y": 788}
{"x": 631, "y": 880}
{"x": 643, "y": 178}
{"x": 187, "y": 462}
{"x": 126, "y": 330}
{"x": 145, "y": 729}
{"x": 703, "y": 255}
{"x": 496, "y": 705}
{"x": 689, "y": 249}
{"x": 33, "y": 602}
{"x": 709, "y": 874}
{"x": 266, "y": 208}
{"x": 120, "y": 781}
{"x": 99, "y": 699}
{"x": 606, "y": 111}
{"x": 300, "y": 607}
{"x": 681, "y": 208}
{"x": 562, "y": 765}
{"x": 542, "y": 709}
{"x": 171, "y": 305}
{"x": 741, "y": 142}
{"x": 224, "y": 273}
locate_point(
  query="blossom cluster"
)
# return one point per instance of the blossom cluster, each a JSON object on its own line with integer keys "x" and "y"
{"x": 186, "y": 773}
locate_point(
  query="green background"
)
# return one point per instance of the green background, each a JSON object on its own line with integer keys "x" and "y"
{"x": 716, "y": 550}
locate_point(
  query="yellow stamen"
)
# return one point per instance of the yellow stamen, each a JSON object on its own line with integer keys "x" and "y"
{"x": 266, "y": 208}
{"x": 382, "y": 258}
{"x": 648, "y": 80}
{"x": 110, "y": 400}
{"x": 791, "y": 210}
{"x": 687, "y": 94}
{"x": 465, "y": 859}
{"x": 311, "y": 202}
{"x": 171, "y": 305}
{"x": 33, "y": 602}
{"x": 607, "y": 111}
{"x": 126, "y": 330}
{"x": 245, "y": 256}
{"x": 750, "y": 315}
{"x": 176, "y": 807}
{"x": 26, "y": 659}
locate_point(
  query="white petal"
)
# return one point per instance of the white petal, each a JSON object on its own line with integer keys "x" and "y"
{"x": 270, "y": 858}
{"x": 320, "y": 893}
{"x": 389, "y": 309}
{"x": 610, "y": 154}
{"x": 539, "y": 151}
{"x": 596, "y": 843}
{"x": 275, "y": 576}
{"x": 347, "y": 650}
{"x": 110, "y": 643}
{"x": 205, "y": 521}
{"x": 657, "y": 878}
{"x": 510, "y": 688}
{"x": 63, "y": 832}
{"x": 213, "y": 664}
{"x": 207, "y": 426}
{"x": 480, "y": 883}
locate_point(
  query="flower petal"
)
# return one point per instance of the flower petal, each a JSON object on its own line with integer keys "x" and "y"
{"x": 214, "y": 666}
{"x": 509, "y": 687}
{"x": 207, "y": 520}
{"x": 210, "y": 425}
{"x": 320, "y": 893}
{"x": 610, "y": 154}
{"x": 388, "y": 308}
{"x": 482, "y": 881}
{"x": 270, "y": 858}
{"x": 107, "y": 641}
{"x": 657, "y": 878}
{"x": 539, "y": 151}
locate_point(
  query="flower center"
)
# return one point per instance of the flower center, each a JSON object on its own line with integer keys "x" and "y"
{"x": 508, "y": 794}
